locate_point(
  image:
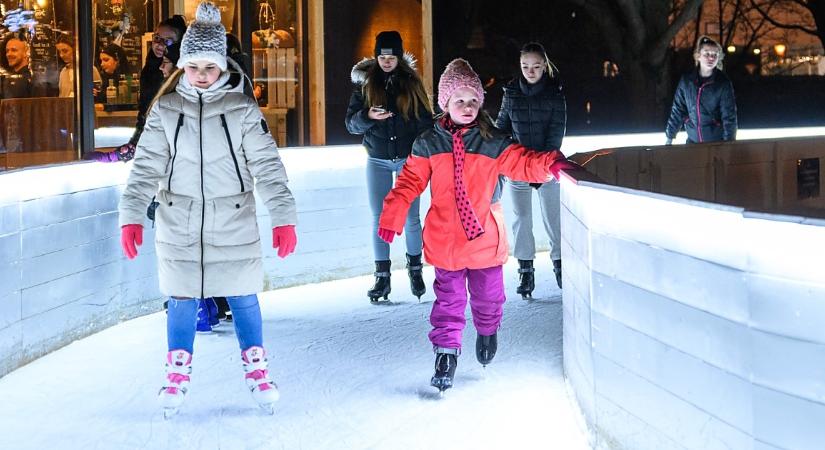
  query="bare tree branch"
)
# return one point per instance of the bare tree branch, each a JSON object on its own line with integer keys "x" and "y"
{"x": 660, "y": 46}
{"x": 782, "y": 25}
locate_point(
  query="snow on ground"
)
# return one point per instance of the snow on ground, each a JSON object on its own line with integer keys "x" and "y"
{"x": 351, "y": 375}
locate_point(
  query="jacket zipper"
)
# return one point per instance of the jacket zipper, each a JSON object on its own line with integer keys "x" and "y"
{"x": 172, "y": 169}
{"x": 203, "y": 195}
{"x": 232, "y": 150}
{"x": 699, "y": 110}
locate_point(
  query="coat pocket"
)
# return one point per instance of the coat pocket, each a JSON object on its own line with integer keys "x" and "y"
{"x": 497, "y": 213}
{"x": 232, "y": 221}
{"x": 173, "y": 215}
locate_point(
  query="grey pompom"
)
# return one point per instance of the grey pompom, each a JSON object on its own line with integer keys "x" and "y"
{"x": 207, "y": 12}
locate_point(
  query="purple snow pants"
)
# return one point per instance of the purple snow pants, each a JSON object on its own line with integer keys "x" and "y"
{"x": 486, "y": 287}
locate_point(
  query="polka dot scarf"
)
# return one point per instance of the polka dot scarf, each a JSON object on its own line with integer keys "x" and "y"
{"x": 469, "y": 220}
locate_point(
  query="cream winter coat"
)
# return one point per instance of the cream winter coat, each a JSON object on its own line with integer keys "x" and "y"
{"x": 203, "y": 148}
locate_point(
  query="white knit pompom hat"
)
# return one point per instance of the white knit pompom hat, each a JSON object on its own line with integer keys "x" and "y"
{"x": 205, "y": 39}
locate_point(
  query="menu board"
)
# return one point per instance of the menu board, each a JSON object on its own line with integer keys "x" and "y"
{"x": 42, "y": 46}
{"x": 807, "y": 178}
{"x": 132, "y": 44}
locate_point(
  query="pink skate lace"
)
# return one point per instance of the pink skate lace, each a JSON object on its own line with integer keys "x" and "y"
{"x": 175, "y": 378}
{"x": 177, "y": 360}
{"x": 260, "y": 374}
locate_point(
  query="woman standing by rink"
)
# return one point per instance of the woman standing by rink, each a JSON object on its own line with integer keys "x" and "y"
{"x": 207, "y": 239}
{"x": 704, "y": 103}
{"x": 390, "y": 108}
{"x": 461, "y": 158}
{"x": 534, "y": 110}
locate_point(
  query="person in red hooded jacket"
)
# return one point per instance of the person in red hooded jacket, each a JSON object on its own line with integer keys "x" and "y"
{"x": 461, "y": 158}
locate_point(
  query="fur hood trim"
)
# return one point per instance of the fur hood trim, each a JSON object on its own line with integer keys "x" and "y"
{"x": 359, "y": 70}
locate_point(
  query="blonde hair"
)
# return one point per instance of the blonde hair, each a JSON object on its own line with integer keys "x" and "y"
{"x": 703, "y": 41}
{"x": 538, "y": 49}
{"x": 167, "y": 87}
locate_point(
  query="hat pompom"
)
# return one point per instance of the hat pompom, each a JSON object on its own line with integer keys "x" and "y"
{"x": 460, "y": 65}
{"x": 458, "y": 74}
{"x": 207, "y": 12}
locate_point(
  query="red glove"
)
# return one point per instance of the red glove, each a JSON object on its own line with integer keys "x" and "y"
{"x": 562, "y": 164}
{"x": 284, "y": 239}
{"x": 387, "y": 235}
{"x": 131, "y": 237}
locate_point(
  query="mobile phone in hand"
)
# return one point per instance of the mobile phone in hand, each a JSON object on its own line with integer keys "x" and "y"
{"x": 379, "y": 110}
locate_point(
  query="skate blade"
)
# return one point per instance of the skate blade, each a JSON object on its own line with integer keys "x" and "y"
{"x": 269, "y": 408}
{"x": 441, "y": 385}
{"x": 168, "y": 413}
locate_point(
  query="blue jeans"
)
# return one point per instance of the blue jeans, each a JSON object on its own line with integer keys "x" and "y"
{"x": 379, "y": 182}
{"x": 182, "y": 317}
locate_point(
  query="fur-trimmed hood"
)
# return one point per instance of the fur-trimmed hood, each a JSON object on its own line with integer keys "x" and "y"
{"x": 360, "y": 70}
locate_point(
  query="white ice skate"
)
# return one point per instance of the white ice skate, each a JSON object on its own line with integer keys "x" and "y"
{"x": 263, "y": 390}
{"x": 178, "y": 368}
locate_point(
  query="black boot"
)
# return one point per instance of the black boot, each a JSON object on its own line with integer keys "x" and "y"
{"x": 414, "y": 267}
{"x": 382, "y": 282}
{"x": 557, "y": 271}
{"x": 446, "y": 360}
{"x": 527, "y": 280}
{"x": 223, "y": 308}
{"x": 486, "y": 347}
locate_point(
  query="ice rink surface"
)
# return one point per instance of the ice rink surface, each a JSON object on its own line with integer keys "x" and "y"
{"x": 352, "y": 376}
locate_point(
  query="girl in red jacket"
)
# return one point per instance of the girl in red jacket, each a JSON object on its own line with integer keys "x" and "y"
{"x": 461, "y": 158}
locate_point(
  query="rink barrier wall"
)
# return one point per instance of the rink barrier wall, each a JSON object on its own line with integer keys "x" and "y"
{"x": 63, "y": 275}
{"x": 691, "y": 323}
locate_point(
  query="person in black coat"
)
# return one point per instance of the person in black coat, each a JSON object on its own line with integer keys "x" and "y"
{"x": 168, "y": 33}
{"x": 534, "y": 111}
{"x": 704, "y": 103}
{"x": 390, "y": 107}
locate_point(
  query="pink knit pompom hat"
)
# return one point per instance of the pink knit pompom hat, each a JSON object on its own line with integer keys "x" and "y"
{"x": 457, "y": 75}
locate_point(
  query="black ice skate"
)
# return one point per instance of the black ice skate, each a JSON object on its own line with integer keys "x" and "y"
{"x": 414, "y": 267}
{"x": 527, "y": 280}
{"x": 382, "y": 286}
{"x": 486, "y": 347}
{"x": 446, "y": 360}
{"x": 557, "y": 271}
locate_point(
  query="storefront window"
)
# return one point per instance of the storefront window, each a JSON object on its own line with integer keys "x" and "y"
{"x": 37, "y": 70}
{"x": 272, "y": 65}
{"x": 39, "y": 116}
{"x": 276, "y": 68}
{"x": 122, "y": 48}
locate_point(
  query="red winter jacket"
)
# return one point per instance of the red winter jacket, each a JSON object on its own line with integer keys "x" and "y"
{"x": 445, "y": 243}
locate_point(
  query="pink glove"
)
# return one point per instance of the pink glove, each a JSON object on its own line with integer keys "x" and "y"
{"x": 386, "y": 235}
{"x": 131, "y": 237}
{"x": 284, "y": 239}
{"x": 562, "y": 164}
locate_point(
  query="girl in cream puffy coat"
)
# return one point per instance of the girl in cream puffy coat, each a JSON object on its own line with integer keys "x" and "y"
{"x": 204, "y": 147}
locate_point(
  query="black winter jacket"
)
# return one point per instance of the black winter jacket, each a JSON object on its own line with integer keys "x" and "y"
{"x": 535, "y": 114}
{"x": 391, "y": 138}
{"x": 715, "y": 117}
{"x": 151, "y": 79}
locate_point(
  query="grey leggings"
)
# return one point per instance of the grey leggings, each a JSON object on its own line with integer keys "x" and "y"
{"x": 522, "y": 195}
{"x": 379, "y": 182}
